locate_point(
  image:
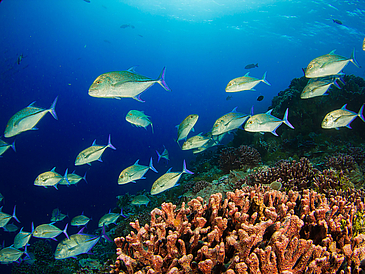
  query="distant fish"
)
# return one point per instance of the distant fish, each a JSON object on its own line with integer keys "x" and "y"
{"x": 265, "y": 122}
{"x": 195, "y": 142}
{"x": 4, "y": 147}
{"x": 229, "y": 97}
{"x": 124, "y": 84}
{"x": 92, "y": 153}
{"x": 319, "y": 86}
{"x": 57, "y": 215}
{"x": 341, "y": 118}
{"x": 134, "y": 172}
{"x": 187, "y": 125}
{"x": 140, "y": 35}
{"x": 22, "y": 238}
{"x": 138, "y": 118}
{"x": 168, "y": 180}
{"x": 337, "y": 21}
{"x": 19, "y": 59}
{"x": 110, "y": 218}
{"x": 140, "y": 200}
{"x": 49, "y": 231}
{"x": 163, "y": 155}
{"x": 229, "y": 121}
{"x": 50, "y": 178}
{"x": 10, "y": 254}
{"x": 87, "y": 1}
{"x": 245, "y": 83}
{"x": 80, "y": 220}
{"x": 251, "y": 66}
{"x": 5, "y": 218}
{"x": 27, "y": 118}
{"x": 10, "y": 227}
{"x": 124, "y": 26}
{"x": 328, "y": 64}
{"x": 260, "y": 98}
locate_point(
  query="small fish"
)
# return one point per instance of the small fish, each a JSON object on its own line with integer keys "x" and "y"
{"x": 22, "y": 238}
{"x": 110, "y": 218}
{"x": 80, "y": 220}
{"x": 50, "y": 178}
{"x": 124, "y": 84}
{"x": 328, "y": 64}
{"x": 87, "y": 1}
{"x": 140, "y": 200}
{"x": 5, "y": 218}
{"x": 49, "y": 231}
{"x": 163, "y": 155}
{"x": 57, "y": 216}
{"x": 337, "y": 21}
{"x": 19, "y": 59}
{"x": 10, "y": 254}
{"x": 186, "y": 126}
{"x": 4, "y": 147}
{"x": 138, "y": 118}
{"x": 245, "y": 83}
{"x": 260, "y": 98}
{"x": 27, "y": 118}
{"x": 168, "y": 180}
{"x": 319, "y": 86}
{"x": 195, "y": 142}
{"x": 124, "y": 26}
{"x": 229, "y": 121}
{"x": 73, "y": 179}
{"x": 229, "y": 97}
{"x": 265, "y": 122}
{"x": 92, "y": 153}
{"x": 251, "y": 66}
{"x": 10, "y": 227}
{"x": 341, "y": 118}
{"x": 134, "y": 172}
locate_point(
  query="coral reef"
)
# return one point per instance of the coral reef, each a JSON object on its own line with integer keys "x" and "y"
{"x": 253, "y": 230}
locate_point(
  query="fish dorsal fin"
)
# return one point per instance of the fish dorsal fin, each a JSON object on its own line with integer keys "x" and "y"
{"x": 332, "y": 52}
{"x": 31, "y": 104}
{"x": 169, "y": 170}
{"x": 53, "y": 169}
{"x": 131, "y": 69}
{"x": 110, "y": 210}
{"x": 94, "y": 143}
{"x": 136, "y": 163}
{"x": 246, "y": 74}
{"x": 269, "y": 112}
{"x": 234, "y": 110}
{"x": 81, "y": 230}
{"x": 344, "y": 107}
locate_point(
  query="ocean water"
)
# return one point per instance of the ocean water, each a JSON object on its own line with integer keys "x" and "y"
{"x": 203, "y": 45}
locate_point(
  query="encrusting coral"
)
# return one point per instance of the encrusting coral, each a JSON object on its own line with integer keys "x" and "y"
{"x": 254, "y": 230}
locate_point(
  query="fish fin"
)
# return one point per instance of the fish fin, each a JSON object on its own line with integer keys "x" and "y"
{"x": 110, "y": 144}
{"x": 269, "y": 111}
{"x": 94, "y": 143}
{"x": 89, "y": 164}
{"x": 151, "y": 166}
{"x": 251, "y": 111}
{"x": 55, "y": 186}
{"x": 136, "y": 163}
{"x": 53, "y": 169}
{"x": 337, "y": 128}
{"x": 106, "y": 237}
{"x": 31, "y": 104}
{"x": 121, "y": 213}
{"x": 14, "y": 216}
{"x": 138, "y": 98}
{"x": 336, "y": 84}
{"x": 169, "y": 170}
{"x": 344, "y": 107}
{"x": 161, "y": 80}
{"x": 65, "y": 231}
{"x": 234, "y": 110}
{"x": 192, "y": 129}
{"x": 257, "y": 65}
{"x": 35, "y": 128}
{"x": 13, "y": 146}
{"x": 159, "y": 156}
{"x": 348, "y": 125}
{"x": 332, "y": 52}
{"x": 274, "y": 132}
{"x": 152, "y": 128}
{"x": 285, "y": 119}
{"x": 360, "y": 114}
{"x": 65, "y": 177}
{"x": 246, "y": 74}
{"x": 262, "y": 133}
{"x": 353, "y": 60}
{"x": 100, "y": 160}
{"x": 134, "y": 182}
{"x": 52, "y": 108}
{"x": 143, "y": 178}
{"x": 131, "y": 69}
{"x": 185, "y": 170}
{"x": 264, "y": 79}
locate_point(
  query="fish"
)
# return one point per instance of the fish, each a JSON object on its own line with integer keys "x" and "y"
{"x": 337, "y": 21}
{"x": 124, "y": 26}
{"x": 49, "y": 231}
{"x": 328, "y": 64}
{"x": 140, "y": 200}
{"x": 77, "y": 244}
{"x": 124, "y": 84}
{"x": 341, "y": 118}
{"x": 251, "y": 66}
{"x": 229, "y": 97}
{"x": 80, "y": 220}
{"x": 245, "y": 83}
{"x": 27, "y": 118}
{"x": 50, "y": 178}
{"x": 19, "y": 59}
{"x": 229, "y": 121}
{"x": 73, "y": 179}
{"x": 138, "y": 118}
{"x": 57, "y": 216}
{"x": 187, "y": 125}
{"x": 319, "y": 86}
{"x": 213, "y": 141}
{"x": 134, "y": 172}
{"x": 260, "y": 98}
{"x": 168, "y": 180}
{"x": 92, "y": 153}
{"x": 10, "y": 254}
{"x": 195, "y": 142}
{"x": 265, "y": 122}
{"x": 10, "y": 227}
{"x": 22, "y": 238}
{"x": 4, "y": 146}
{"x": 5, "y": 218}
{"x": 163, "y": 155}
{"x": 87, "y": 1}
{"x": 110, "y": 218}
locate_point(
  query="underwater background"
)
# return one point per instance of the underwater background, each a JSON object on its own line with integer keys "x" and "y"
{"x": 65, "y": 45}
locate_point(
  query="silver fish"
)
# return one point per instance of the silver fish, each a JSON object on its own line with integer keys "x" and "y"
{"x": 229, "y": 121}
{"x": 245, "y": 83}
{"x": 22, "y": 238}
{"x": 134, "y": 172}
{"x": 195, "y": 142}
{"x": 318, "y": 86}
{"x": 140, "y": 200}
{"x": 138, "y": 118}
{"x": 5, "y": 218}
{"x": 124, "y": 84}
{"x": 57, "y": 215}
{"x": 4, "y": 146}
{"x": 49, "y": 231}
{"x": 163, "y": 155}
{"x": 186, "y": 126}
{"x": 27, "y": 118}
{"x": 73, "y": 179}
{"x": 110, "y": 218}
{"x": 10, "y": 254}
{"x": 80, "y": 220}
{"x": 341, "y": 118}
{"x": 50, "y": 178}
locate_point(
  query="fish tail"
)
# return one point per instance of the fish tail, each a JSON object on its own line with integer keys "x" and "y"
{"x": 285, "y": 119}
{"x": 159, "y": 156}
{"x": 251, "y": 111}
{"x": 110, "y": 143}
{"x": 151, "y": 165}
{"x": 52, "y": 108}
{"x": 13, "y": 146}
{"x": 122, "y": 214}
{"x": 65, "y": 177}
{"x": 65, "y": 231}
{"x": 353, "y": 60}
{"x": 361, "y": 115}
{"x": 264, "y": 79}
{"x": 257, "y": 65}
{"x": 185, "y": 170}
{"x": 152, "y": 128}
{"x": 14, "y": 216}
{"x": 85, "y": 177}
{"x": 103, "y": 234}
{"x": 161, "y": 80}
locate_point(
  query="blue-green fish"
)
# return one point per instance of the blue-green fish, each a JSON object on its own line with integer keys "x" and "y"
{"x": 245, "y": 83}
{"x": 168, "y": 180}
{"x": 265, "y": 122}
{"x": 318, "y": 86}
{"x": 80, "y": 220}
{"x": 22, "y": 238}
{"x": 164, "y": 155}
{"x": 5, "y": 218}
{"x": 195, "y": 142}
{"x": 138, "y": 118}
{"x": 92, "y": 153}
{"x": 186, "y": 126}
{"x": 49, "y": 231}
{"x": 110, "y": 218}
{"x": 73, "y": 179}
{"x": 140, "y": 200}
{"x": 27, "y": 118}
{"x": 134, "y": 172}
{"x": 229, "y": 121}
{"x": 124, "y": 84}
{"x": 341, "y": 118}
{"x": 10, "y": 254}
{"x": 57, "y": 215}
{"x": 50, "y": 178}
{"x": 4, "y": 146}
{"x": 328, "y": 64}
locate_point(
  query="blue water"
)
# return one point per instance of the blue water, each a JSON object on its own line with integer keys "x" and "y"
{"x": 203, "y": 44}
